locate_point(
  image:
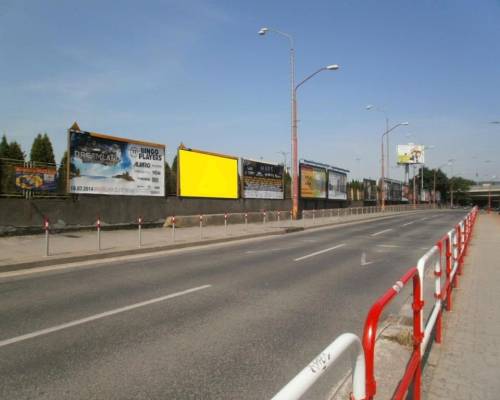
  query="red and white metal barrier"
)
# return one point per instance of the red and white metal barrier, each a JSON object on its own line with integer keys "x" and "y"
{"x": 310, "y": 374}
{"x": 452, "y": 248}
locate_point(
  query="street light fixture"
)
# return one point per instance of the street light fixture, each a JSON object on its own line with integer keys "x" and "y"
{"x": 295, "y": 161}
{"x": 295, "y": 167}
{"x": 382, "y": 183}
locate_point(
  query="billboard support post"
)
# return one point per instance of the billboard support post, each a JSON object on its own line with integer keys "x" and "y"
{"x": 46, "y": 227}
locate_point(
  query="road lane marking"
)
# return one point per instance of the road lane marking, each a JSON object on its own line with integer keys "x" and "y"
{"x": 363, "y": 260}
{"x": 105, "y": 314}
{"x": 265, "y": 250}
{"x": 319, "y": 252}
{"x": 379, "y": 233}
{"x": 409, "y": 223}
{"x": 390, "y": 246}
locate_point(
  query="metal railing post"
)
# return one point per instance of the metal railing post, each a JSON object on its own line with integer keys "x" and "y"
{"x": 173, "y": 228}
{"x": 139, "y": 220}
{"x": 46, "y": 226}
{"x": 98, "y": 225}
{"x": 225, "y": 224}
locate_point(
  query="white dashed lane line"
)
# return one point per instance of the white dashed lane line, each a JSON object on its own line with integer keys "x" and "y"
{"x": 319, "y": 252}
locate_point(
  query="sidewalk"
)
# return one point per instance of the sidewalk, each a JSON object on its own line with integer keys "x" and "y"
{"x": 467, "y": 363}
{"x": 19, "y": 252}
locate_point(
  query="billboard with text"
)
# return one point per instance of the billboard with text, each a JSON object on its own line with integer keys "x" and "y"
{"x": 36, "y": 178}
{"x": 337, "y": 185}
{"x": 262, "y": 180}
{"x": 204, "y": 174}
{"x": 102, "y": 164}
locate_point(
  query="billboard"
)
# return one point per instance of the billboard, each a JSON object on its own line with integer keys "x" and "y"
{"x": 337, "y": 188}
{"x": 312, "y": 182}
{"x": 203, "y": 174}
{"x": 102, "y": 164}
{"x": 262, "y": 180}
{"x": 36, "y": 178}
{"x": 369, "y": 190}
{"x": 411, "y": 154}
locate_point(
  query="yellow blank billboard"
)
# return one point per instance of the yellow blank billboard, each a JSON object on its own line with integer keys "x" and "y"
{"x": 207, "y": 175}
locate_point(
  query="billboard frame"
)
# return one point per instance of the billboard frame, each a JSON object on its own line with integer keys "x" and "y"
{"x": 76, "y": 127}
{"x": 209, "y": 153}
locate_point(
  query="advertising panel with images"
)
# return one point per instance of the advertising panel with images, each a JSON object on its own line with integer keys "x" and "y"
{"x": 312, "y": 182}
{"x": 411, "y": 154}
{"x": 262, "y": 180}
{"x": 203, "y": 174}
{"x": 337, "y": 185}
{"x": 369, "y": 190}
{"x": 36, "y": 178}
{"x": 102, "y": 164}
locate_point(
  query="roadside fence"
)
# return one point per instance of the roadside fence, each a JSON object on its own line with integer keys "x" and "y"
{"x": 447, "y": 256}
{"x": 209, "y": 226}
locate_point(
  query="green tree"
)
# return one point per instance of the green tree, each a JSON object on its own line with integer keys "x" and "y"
{"x": 62, "y": 174}
{"x": 4, "y": 147}
{"x": 15, "y": 152}
{"x": 460, "y": 187}
{"x": 173, "y": 176}
{"x": 288, "y": 186}
{"x": 41, "y": 150}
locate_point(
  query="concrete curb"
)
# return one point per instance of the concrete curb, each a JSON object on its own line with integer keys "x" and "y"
{"x": 153, "y": 249}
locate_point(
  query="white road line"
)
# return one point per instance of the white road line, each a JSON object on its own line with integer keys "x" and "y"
{"x": 320, "y": 252}
{"x": 391, "y": 246}
{"x": 379, "y": 233}
{"x": 409, "y": 223}
{"x": 105, "y": 314}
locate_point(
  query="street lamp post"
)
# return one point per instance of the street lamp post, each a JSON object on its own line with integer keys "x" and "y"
{"x": 370, "y": 107}
{"x": 295, "y": 160}
{"x": 382, "y": 190}
{"x": 294, "y": 140}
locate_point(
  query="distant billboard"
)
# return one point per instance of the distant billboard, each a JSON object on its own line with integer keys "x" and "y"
{"x": 102, "y": 164}
{"x": 411, "y": 154}
{"x": 369, "y": 190}
{"x": 262, "y": 180}
{"x": 337, "y": 185}
{"x": 36, "y": 178}
{"x": 203, "y": 174}
{"x": 312, "y": 182}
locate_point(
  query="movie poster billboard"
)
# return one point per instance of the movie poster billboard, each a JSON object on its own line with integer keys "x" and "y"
{"x": 369, "y": 190}
{"x": 337, "y": 185}
{"x": 102, "y": 164}
{"x": 411, "y": 154}
{"x": 262, "y": 180}
{"x": 312, "y": 182}
{"x": 204, "y": 174}
{"x": 36, "y": 178}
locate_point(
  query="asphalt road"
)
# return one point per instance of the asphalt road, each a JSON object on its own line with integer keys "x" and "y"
{"x": 232, "y": 321}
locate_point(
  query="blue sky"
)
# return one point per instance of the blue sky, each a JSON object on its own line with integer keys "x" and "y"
{"x": 196, "y": 72}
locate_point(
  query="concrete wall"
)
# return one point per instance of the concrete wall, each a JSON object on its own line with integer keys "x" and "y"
{"x": 17, "y": 215}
